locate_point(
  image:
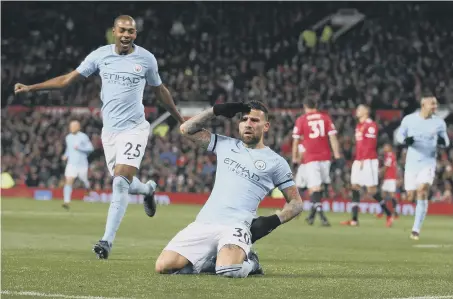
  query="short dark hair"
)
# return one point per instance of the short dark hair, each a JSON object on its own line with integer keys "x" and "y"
{"x": 428, "y": 94}
{"x": 311, "y": 100}
{"x": 257, "y": 105}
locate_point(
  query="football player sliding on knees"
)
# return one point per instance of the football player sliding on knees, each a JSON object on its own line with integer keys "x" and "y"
{"x": 219, "y": 240}
{"x": 125, "y": 69}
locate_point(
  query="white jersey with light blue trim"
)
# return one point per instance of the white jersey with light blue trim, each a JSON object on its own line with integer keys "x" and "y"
{"x": 123, "y": 82}
{"x": 78, "y": 157}
{"x": 423, "y": 152}
{"x": 243, "y": 178}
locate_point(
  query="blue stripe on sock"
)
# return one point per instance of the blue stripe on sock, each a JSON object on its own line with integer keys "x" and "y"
{"x": 231, "y": 269}
{"x": 125, "y": 178}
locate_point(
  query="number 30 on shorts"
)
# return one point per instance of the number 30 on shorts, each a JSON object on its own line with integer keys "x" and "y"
{"x": 245, "y": 236}
{"x": 136, "y": 152}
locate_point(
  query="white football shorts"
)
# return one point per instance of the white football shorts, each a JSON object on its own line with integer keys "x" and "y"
{"x": 389, "y": 185}
{"x": 367, "y": 175}
{"x": 413, "y": 179}
{"x": 199, "y": 242}
{"x": 300, "y": 179}
{"x": 127, "y": 147}
{"x": 74, "y": 171}
{"x": 317, "y": 173}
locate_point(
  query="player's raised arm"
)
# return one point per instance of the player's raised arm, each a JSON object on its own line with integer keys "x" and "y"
{"x": 193, "y": 128}
{"x": 164, "y": 96}
{"x": 55, "y": 83}
{"x": 85, "y": 69}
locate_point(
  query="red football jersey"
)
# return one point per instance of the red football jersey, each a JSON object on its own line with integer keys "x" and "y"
{"x": 366, "y": 140}
{"x": 314, "y": 129}
{"x": 390, "y": 163}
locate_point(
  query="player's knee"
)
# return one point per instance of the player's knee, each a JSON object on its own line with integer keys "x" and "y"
{"x": 126, "y": 171}
{"x": 164, "y": 266}
{"x": 231, "y": 271}
{"x": 120, "y": 183}
{"x": 372, "y": 190}
{"x": 355, "y": 187}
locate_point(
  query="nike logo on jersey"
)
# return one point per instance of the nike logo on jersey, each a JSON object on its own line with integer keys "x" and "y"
{"x": 234, "y": 151}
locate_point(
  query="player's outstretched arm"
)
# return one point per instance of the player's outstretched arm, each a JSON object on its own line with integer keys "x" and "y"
{"x": 55, "y": 83}
{"x": 294, "y": 204}
{"x": 164, "y": 96}
{"x": 262, "y": 226}
{"x": 193, "y": 128}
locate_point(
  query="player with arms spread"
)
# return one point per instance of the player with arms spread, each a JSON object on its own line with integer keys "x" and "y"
{"x": 389, "y": 172}
{"x": 78, "y": 147}
{"x": 124, "y": 68}
{"x": 247, "y": 171}
{"x": 316, "y": 129}
{"x": 422, "y": 132}
{"x": 365, "y": 168}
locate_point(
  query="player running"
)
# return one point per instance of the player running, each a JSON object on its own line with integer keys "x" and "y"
{"x": 315, "y": 129}
{"x": 124, "y": 69}
{"x": 389, "y": 171}
{"x": 365, "y": 168}
{"x": 78, "y": 147}
{"x": 247, "y": 171}
{"x": 422, "y": 132}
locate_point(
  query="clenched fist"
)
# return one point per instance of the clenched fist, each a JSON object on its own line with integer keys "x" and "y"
{"x": 19, "y": 87}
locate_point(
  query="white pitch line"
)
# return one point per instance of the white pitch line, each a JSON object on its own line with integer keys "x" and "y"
{"x": 36, "y": 294}
{"x": 428, "y": 297}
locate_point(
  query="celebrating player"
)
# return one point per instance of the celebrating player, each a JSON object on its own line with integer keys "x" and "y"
{"x": 422, "y": 132}
{"x": 316, "y": 129}
{"x": 78, "y": 147}
{"x": 365, "y": 168}
{"x": 389, "y": 172}
{"x": 124, "y": 68}
{"x": 247, "y": 171}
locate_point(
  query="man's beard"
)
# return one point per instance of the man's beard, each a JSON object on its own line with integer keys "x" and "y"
{"x": 250, "y": 140}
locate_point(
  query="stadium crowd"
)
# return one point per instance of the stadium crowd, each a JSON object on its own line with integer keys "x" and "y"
{"x": 33, "y": 144}
{"x": 386, "y": 61}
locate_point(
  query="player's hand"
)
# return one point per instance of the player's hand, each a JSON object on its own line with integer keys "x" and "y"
{"x": 19, "y": 88}
{"x": 409, "y": 141}
{"x": 441, "y": 141}
{"x": 64, "y": 158}
{"x": 262, "y": 226}
{"x": 230, "y": 109}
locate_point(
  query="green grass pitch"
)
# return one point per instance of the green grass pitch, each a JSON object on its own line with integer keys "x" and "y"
{"x": 47, "y": 250}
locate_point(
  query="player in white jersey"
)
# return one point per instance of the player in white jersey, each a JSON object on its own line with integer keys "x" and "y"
{"x": 124, "y": 68}
{"x": 78, "y": 147}
{"x": 422, "y": 132}
{"x": 247, "y": 171}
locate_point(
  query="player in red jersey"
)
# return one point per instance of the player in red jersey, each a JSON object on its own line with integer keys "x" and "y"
{"x": 315, "y": 129}
{"x": 389, "y": 172}
{"x": 365, "y": 169}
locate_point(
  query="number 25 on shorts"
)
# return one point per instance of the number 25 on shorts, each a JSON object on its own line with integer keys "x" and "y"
{"x": 131, "y": 151}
